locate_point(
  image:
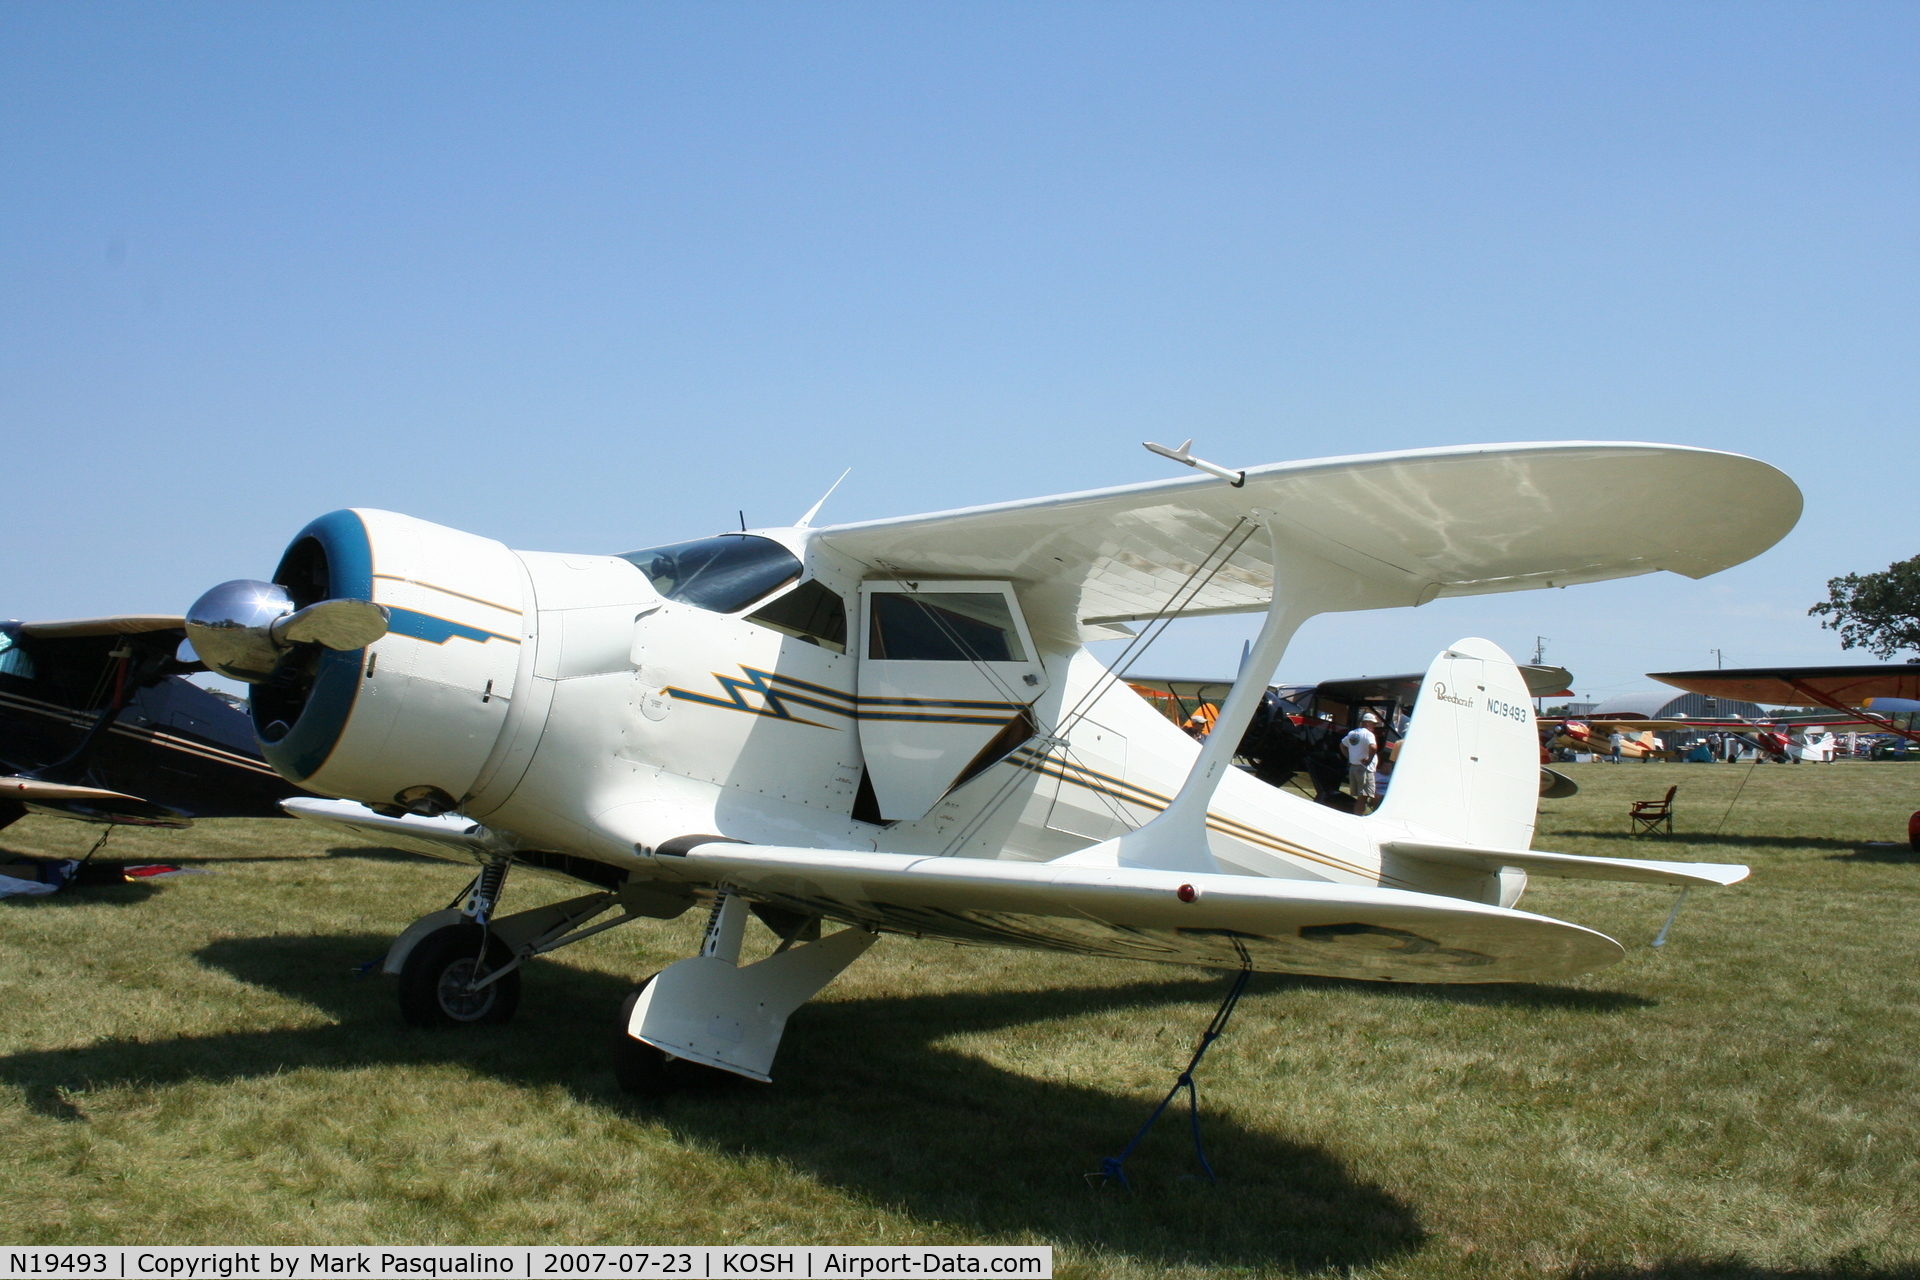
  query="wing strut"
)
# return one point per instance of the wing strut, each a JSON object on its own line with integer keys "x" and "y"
{"x": 1885, "y": 724}
{"x": 1176, "y": 840}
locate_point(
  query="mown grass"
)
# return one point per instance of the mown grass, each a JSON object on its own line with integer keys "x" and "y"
{"x": 195, "y": 1061}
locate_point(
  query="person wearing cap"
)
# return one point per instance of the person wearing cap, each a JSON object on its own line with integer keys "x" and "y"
{"x": 1363, "y": 756}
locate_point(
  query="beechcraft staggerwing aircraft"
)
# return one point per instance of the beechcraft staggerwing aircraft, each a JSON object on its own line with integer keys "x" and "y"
{"x": 892, "y": 726}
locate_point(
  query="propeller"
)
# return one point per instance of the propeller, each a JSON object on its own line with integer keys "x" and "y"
{"x": 338, "y": 624}
{"x": 244, "y": 629}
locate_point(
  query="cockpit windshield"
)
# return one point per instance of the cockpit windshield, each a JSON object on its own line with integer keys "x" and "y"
{"x": 724, "y": 574}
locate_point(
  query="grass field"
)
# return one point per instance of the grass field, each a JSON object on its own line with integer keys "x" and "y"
{"x": 194, "y": 1061}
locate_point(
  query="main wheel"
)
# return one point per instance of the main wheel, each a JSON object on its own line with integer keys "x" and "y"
{"x": 433, "y": 981}
{"x": 640, "y": 1068}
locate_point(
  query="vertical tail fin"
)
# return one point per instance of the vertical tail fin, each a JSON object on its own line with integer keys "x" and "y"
{"x": 1469, "y": 769}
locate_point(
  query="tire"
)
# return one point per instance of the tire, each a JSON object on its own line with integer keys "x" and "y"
{"x": 439, "y": 965}
{"x": 639, "y": 1068}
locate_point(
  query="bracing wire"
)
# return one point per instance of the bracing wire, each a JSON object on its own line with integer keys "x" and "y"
{"x": 1182, "y": 595}
{"x": 1736, "y": 794}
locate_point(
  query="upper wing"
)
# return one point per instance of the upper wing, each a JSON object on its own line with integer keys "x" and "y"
{"x": 1405, "y": 528}
{"x": 1848, "y": 686}
{"x": 1288, "y": 926}
{"x": 123, "y": 624}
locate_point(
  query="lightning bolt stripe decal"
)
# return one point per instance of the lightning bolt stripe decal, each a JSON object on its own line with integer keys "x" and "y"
{"x": 780, "y": 693}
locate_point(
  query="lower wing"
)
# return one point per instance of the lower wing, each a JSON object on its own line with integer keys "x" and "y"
{"x": 1275, "y": 926}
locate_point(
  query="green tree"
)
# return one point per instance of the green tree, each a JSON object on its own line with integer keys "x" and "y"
{"x": 1878, "y": 612}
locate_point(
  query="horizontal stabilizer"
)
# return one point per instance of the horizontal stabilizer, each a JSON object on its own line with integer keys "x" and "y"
{"x": 1570, "y": 866}
{"x": 1222, "y": 921}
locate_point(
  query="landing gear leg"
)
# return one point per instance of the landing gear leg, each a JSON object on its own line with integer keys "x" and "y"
{"x": 709, "y": 1015}
{"x": 640, "y": 1068}
{"x": 454, "y": 975}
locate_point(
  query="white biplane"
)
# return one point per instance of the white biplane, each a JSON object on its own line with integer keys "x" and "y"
{"x": 893, "y": 727}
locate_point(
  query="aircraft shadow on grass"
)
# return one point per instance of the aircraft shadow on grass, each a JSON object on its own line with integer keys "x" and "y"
{"x": 1898, "y": 854}
{"x": 368, "y": 853}
{"x": 865, "y": 1101}
{"x": 1842, "y": 1268}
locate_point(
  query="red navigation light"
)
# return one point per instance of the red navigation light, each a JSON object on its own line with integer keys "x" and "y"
{"x": 1186, "y": 893}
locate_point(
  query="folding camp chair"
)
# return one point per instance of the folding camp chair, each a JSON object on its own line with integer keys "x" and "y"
{"x": 1647, "y": 815}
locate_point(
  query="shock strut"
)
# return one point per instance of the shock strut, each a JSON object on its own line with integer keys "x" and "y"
{"x": 486, "y": 891}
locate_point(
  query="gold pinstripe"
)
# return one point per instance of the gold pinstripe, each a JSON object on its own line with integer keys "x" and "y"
{"x": 449, "y": 591}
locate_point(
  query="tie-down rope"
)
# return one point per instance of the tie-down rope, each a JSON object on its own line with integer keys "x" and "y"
{"x": 1114, "y": 1167}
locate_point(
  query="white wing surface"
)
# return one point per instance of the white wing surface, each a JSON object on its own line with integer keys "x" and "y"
{"x": 1405, "y": 527}
{"x": 1277, "y": 926}
{"x": 449, "y": 836}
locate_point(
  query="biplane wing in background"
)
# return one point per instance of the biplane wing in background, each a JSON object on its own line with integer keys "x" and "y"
{"x": 99, "y": 723}
{"x": 1861, "y": 693}
{"x": 1881, "y": 695}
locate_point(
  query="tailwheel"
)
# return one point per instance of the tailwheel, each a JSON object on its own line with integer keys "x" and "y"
{"x": 436, "y": 981}
{"x": 640, "y": 1068}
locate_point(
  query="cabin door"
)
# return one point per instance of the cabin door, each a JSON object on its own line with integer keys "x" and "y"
{"x": 947, "y": 675}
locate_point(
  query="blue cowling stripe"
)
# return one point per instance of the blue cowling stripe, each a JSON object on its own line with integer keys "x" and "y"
{"x": 425, "y": 626}
{"x": 300, "y": 753}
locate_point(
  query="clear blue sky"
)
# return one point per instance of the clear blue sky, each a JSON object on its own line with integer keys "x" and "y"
{"x": 590, "y": 277}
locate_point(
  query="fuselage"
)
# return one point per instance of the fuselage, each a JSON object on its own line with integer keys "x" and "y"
{"x": 758, "y": 687}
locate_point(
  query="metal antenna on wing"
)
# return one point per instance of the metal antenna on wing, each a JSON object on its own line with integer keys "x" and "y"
{"x": 1184, "y": 456}
{"x": 814, "y": 510}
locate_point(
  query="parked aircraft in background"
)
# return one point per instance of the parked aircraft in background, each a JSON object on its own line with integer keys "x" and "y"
{"x": 893, "y": 726}
{"x": 1298, "y": 727}
{"x": 1863, "y": 694}
{"x": 1883, "y": 696}
{"x": 99, "y": 723}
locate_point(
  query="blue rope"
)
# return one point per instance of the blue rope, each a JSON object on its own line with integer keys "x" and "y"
{"x": 1114, "y": 1167}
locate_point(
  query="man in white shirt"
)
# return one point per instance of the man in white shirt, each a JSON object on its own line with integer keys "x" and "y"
{"x": 1363, "y": 754}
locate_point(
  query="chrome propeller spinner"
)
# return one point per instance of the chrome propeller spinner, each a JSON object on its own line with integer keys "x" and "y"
{"x": 243, "y": 629}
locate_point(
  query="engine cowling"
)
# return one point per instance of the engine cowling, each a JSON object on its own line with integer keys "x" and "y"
{"x": 415, "y": 719}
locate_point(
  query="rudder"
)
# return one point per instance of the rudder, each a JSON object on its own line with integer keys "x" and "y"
{"x": 1469, "y": 768}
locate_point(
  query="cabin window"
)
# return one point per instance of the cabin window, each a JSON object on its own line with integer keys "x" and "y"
{"x": 942, "y": 626}
{"x": 14, "y": 661}
{"x": 724, "y": 574}
{"x": 809, "y": 612}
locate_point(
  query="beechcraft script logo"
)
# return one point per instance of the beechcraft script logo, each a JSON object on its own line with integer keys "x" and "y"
{"x": 1440, "y": 692}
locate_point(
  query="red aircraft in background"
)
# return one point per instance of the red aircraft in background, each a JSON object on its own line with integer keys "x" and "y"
{"x": 1860, "y": 693}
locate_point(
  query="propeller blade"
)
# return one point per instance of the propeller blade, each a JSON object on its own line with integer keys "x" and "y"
{"x": 338, "y": 624}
